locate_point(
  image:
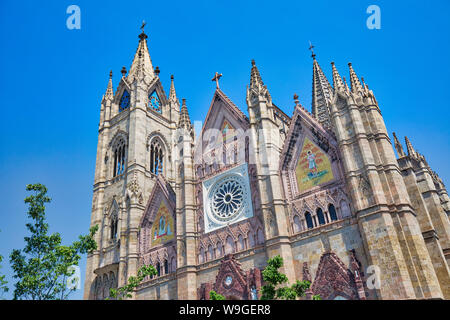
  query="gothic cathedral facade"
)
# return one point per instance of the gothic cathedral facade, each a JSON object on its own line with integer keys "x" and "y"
{"x": 324, "y": 190}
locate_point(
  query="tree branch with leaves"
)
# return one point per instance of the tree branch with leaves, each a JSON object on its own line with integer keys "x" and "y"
{"x": 132, "y": 283}
{"x": 44, "y": 265}
{"x": 275, "y": 287}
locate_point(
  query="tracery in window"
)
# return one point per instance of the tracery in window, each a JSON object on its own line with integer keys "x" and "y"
{"x": 154, "y": 102}
{"x": 119, "y": 151}
{"x": 320, "y": 216}
{"x": 309, "y": 221}
{"x": 332, "y": 212}
{"x": 114, "y": 224}
{"x": 156, "y": 157}
{"x": 124, "y": 101}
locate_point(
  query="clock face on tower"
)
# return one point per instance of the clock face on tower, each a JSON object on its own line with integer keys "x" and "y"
{"x": 227, "y": 198}
{"x": 154, "y": 102}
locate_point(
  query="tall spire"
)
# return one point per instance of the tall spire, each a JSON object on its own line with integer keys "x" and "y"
{"x": 338, "y": 85}
{"x": 398, "y": 146}
{"x": 185, "y": 121}
{"x": 142, "y": 61}
{"x": 346, "y": 85}
{"x": 109, "y": 90}
{"x": 354, "y": 80}
{"x": 109, "y": 94}
{"x": 255, "y": 77}
{"x": 321, "y": 95}
{"x": 172, "y": 93}
{"x": 409, "y": 147}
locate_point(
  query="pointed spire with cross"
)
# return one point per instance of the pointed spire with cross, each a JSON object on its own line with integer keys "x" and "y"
{"x": 143, "y": 36}
{"x": 311, "y": 47}
{"x": 216, "y": 78}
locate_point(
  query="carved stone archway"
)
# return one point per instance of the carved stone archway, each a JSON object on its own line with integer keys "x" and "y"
{"x": 232, "y": 282}
{"x": 333, "y": 278}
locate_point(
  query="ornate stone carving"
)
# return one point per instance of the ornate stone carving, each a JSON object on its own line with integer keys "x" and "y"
{"x": 135, "y": 190}
{"x": 333, "y": 279}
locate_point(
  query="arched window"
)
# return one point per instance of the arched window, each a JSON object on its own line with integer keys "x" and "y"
{"x": 320, "y": 216}
{"x": 332, "y": 212}
{"x": 229, "y": 245}
{"x": 251, "y": 239}
{"x": 309, "y": 221}
{"x": 297, "y": 224}
{"x": 112, "y": 280}
{"x": 119, "y": 152}
{"x": 210, "y": 252}
{"x": 156, "y": 157}
{"x": 166, "y": 266}
{"x": 260, "y": 236}
{"x": 114, "y": 223}
{"x": 124, "y": 101}
{"x": 98, "y": 288}
{"x": 241, "y": 243}
{"x": 105, "y": 286}
{"x": 219, "y": 251}
{"x": 154, "y": 102}
{"x": 158, "y": 269}
{"x": 201, "y": 255}
{"x": 345, "y": 209}
{"x": 173, "y": 264}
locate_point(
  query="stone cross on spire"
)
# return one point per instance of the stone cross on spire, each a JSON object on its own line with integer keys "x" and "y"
{"x": 216, "y": 78}
{"x": 311, "y": 47}
{"x": 143, "y": 36}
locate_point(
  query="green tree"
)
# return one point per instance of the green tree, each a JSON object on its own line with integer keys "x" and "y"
{"x": 215, "y": 296}
{"x": 44, "y": 268}
{"x": 3, "y": 282}
{"x": 132, "y": 283}
{"x": 274, "y": 279}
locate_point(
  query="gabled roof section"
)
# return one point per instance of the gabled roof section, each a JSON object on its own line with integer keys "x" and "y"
{"x": 163, "y": 187}
{"x": 301, "y": 120}
{"x": 219, "y": 101}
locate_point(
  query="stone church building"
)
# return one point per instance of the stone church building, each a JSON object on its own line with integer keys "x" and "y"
{"x": 322, "y": 189}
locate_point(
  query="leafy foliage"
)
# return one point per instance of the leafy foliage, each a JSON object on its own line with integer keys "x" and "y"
{"x": 274, "y": 279}
{"x": 133, "y": 281}
{"x": 215, "y": 296}
{"x": 3, "y": 282}
{"x": 44, "y": 265}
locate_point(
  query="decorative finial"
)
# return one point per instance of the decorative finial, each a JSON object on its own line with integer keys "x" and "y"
{"x": 311, "y": 47}
{"x": 216, "y": 78}
{"x": 110, "y": 74}
{"x": 143, "y": 36}
{"x": 253, "y": 62}
{"x": 296, "y": 98}
{"x": 123, "y": 71}
{"x": 183, "y": 100}
{"x": 157, "y": 71}
{"x": 171, "y": 77}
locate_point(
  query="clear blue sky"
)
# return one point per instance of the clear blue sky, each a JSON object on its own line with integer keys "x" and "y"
{"x": 54, "y": 78}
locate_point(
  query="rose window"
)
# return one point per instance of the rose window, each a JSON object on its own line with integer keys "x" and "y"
{"x": 227, "y": 198}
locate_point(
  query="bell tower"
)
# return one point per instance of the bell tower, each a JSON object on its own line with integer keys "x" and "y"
{"x": 137, "y": 125}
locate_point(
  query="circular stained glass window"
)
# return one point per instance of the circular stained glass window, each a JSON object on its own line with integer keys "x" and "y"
{"x": 227, "y": 198}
